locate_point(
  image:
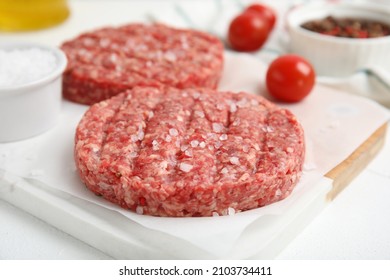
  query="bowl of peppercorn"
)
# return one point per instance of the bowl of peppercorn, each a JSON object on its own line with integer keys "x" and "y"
{"x": 340, "y": 39}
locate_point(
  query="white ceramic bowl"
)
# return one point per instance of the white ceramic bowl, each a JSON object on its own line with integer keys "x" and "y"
{"x": 29, "y": 109}
{"x": 336, "y": 56}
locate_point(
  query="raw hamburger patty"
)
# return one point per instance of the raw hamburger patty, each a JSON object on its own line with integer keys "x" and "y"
{"x": 105, "y": 62}
{"x": 193, "y": 152}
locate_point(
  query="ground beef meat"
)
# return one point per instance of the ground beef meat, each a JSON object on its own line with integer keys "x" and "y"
{"x": 107, "y": 61}
{"x": 193, "y": 152}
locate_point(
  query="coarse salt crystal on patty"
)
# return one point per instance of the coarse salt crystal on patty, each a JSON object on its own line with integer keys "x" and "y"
{"x": 212, "y": 167}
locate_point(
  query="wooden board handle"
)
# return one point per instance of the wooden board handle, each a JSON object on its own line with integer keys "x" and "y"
{"x": 347, "y": 170}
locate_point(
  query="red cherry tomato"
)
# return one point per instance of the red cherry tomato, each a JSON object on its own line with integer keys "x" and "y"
{"x": 290, "y": 78}
{"x": 248, "y": 32}
{"x": 264, "y": 11}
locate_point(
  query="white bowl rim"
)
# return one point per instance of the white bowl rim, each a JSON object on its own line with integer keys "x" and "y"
{"x": 58, "y": 70}
{"x": 372, "y": 7}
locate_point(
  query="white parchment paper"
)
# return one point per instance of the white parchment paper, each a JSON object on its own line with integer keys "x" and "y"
{"x": 335, "y": 124}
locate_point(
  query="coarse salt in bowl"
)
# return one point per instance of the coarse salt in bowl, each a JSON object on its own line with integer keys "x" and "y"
{"x": 30, "y": 89}
{"x": 336, "y": 56}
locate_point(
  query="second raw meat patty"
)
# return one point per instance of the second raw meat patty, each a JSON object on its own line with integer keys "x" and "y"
{"x": 105, "y": 62}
